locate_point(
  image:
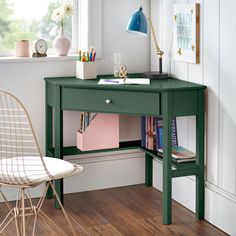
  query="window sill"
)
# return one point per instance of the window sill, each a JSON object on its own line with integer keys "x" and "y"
{"x": 71, "y": 57}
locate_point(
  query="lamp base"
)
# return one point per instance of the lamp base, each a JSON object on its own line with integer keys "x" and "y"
{"x": 155, "y": 75}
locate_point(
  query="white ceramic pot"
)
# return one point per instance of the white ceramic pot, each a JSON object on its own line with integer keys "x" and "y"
{"x": 61, "y": 43}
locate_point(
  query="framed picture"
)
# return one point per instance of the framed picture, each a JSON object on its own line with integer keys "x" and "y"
{"x": 186, "y": 40}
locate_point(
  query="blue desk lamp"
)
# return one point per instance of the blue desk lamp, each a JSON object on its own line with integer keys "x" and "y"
{"x": 138, "y": 25}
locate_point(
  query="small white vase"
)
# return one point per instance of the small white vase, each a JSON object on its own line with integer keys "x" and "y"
{"x": 61, "y": 43}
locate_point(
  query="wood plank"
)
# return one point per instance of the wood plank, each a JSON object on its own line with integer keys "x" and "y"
{"x": 117, "y": 216}
{"x": 132, "y": 210}
{"x": 105, "y": 230}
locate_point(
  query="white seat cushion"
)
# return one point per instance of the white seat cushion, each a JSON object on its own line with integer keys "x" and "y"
{"x": 23, "y": 170}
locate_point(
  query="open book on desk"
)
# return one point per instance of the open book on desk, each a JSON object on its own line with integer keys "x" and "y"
{"x": 142, "y": 81}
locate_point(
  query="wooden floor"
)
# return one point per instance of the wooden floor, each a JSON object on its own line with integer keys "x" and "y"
{"x": 134, "y": 210}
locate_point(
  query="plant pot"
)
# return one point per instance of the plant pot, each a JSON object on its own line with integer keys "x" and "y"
{"x": 61, "y": 43}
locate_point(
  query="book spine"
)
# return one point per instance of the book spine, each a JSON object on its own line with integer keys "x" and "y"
{"x": 154, "y": 134}
{"x": 160, "y": 132}
{"x": 143, "y": 131}
{"x": 157, "y": 137}
{"x": 151, "y": 132}
{"x": 174, "y": 133}
{"x": 146, "y": 146}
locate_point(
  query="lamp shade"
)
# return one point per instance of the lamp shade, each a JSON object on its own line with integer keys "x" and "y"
{"x": 137, "y": 23}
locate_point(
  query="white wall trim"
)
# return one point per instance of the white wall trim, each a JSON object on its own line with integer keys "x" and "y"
{"x": 105, "y": 156}
{"x": 71, "y": 57}
{"x": 221, "y": 192}
{"x": 90, "y": 25}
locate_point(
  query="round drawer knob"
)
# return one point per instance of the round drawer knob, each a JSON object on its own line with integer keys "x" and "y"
{"x": 108, "y": 101}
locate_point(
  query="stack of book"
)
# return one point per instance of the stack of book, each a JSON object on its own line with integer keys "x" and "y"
{"x": 179, "y": 154}
{"x": 152, "y": 139}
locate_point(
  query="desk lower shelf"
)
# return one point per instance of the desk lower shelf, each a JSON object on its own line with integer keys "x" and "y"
{"x": 178, "y": 169}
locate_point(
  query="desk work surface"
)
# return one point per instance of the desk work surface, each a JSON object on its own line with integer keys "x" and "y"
{"x": 155, "y": 85}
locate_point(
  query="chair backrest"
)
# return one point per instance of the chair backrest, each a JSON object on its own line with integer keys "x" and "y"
{"x": 18, "y": 143}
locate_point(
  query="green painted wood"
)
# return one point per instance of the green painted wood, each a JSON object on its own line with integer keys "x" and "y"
{"x": 168, "y": 98}
{"x": 182, "y": 173}
{"x": 167, "y": 151}
{"x": 58, "y": 139}
{"x": 200, "y": 129}
{"x": 73, "y": 150}
{"x": 148, "y": 169}
{"x": 48, "y": 132}
{"x": 185, "y": 103}
{"x": 51, "y": 94}
{"x": 155, "y": 86}
{"x": 121, "y": 101}
{"x": 185, "y": 165}
{"x": 175, "y": 165}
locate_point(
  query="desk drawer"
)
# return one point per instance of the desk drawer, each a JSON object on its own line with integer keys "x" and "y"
{"x": 123, "y": 102}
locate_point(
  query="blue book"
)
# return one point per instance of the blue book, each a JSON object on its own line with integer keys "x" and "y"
{"x": 159, "y": 133}
{"x": 143, "y": 131}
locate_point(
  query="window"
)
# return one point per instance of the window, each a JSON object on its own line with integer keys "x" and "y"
{"x": 30, "y": 19}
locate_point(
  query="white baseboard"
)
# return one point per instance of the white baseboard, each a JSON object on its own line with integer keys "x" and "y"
{"x": 107, "y": 170}
{"x": 220, "y": 209}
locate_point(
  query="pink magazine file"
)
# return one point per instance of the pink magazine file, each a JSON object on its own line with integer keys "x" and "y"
{"x": 102, "y": 133}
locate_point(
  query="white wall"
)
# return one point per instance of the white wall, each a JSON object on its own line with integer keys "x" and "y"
{"x": 217, "y": 71}
{"x": 25, "y": 80}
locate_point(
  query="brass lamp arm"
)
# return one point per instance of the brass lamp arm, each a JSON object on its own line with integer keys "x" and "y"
{"x": 159, "y": 51}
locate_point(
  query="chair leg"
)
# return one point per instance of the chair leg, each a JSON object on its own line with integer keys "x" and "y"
{"x": 22, "y": 210}
{"x": 19, "y": 213}
{"x": 16, "y": 221}
{"x": 62, "y": 208}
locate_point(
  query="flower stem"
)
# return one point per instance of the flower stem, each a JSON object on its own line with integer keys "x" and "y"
{"x": 62, "y": 24}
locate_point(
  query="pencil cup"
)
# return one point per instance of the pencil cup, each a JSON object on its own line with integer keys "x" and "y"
{"x": 102, "y": 133}
{"x": 86, "y": 70}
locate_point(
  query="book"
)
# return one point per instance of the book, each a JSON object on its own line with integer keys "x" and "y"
{"x": 180, "y": 154}
{"x": 159, "y": 132}
{"x": 152, "y": 132}
{"x": 141, "y": 81}
{"x": 143, "y": 131}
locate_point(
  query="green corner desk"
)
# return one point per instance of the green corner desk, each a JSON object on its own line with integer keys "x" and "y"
{"x": 166, "y": 98}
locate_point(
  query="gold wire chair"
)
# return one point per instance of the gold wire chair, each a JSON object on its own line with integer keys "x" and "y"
{"x": 22, "y": 166}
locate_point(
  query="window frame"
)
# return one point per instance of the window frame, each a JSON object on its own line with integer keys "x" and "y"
{"x": 51, "y": 51}
{"x": 90, "y": 34}
{"x": 86, "y": 28}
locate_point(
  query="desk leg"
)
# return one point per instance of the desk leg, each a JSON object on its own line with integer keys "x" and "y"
{"x": 167, "y": 170}
{"x": 148, "y": 169}
{"x": 200, "y": 188}
{"x": 58, "y": 139}
{"x": 48, "y": 138}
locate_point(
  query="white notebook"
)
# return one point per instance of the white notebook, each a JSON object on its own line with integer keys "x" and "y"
{"x": 143, "y": 81}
